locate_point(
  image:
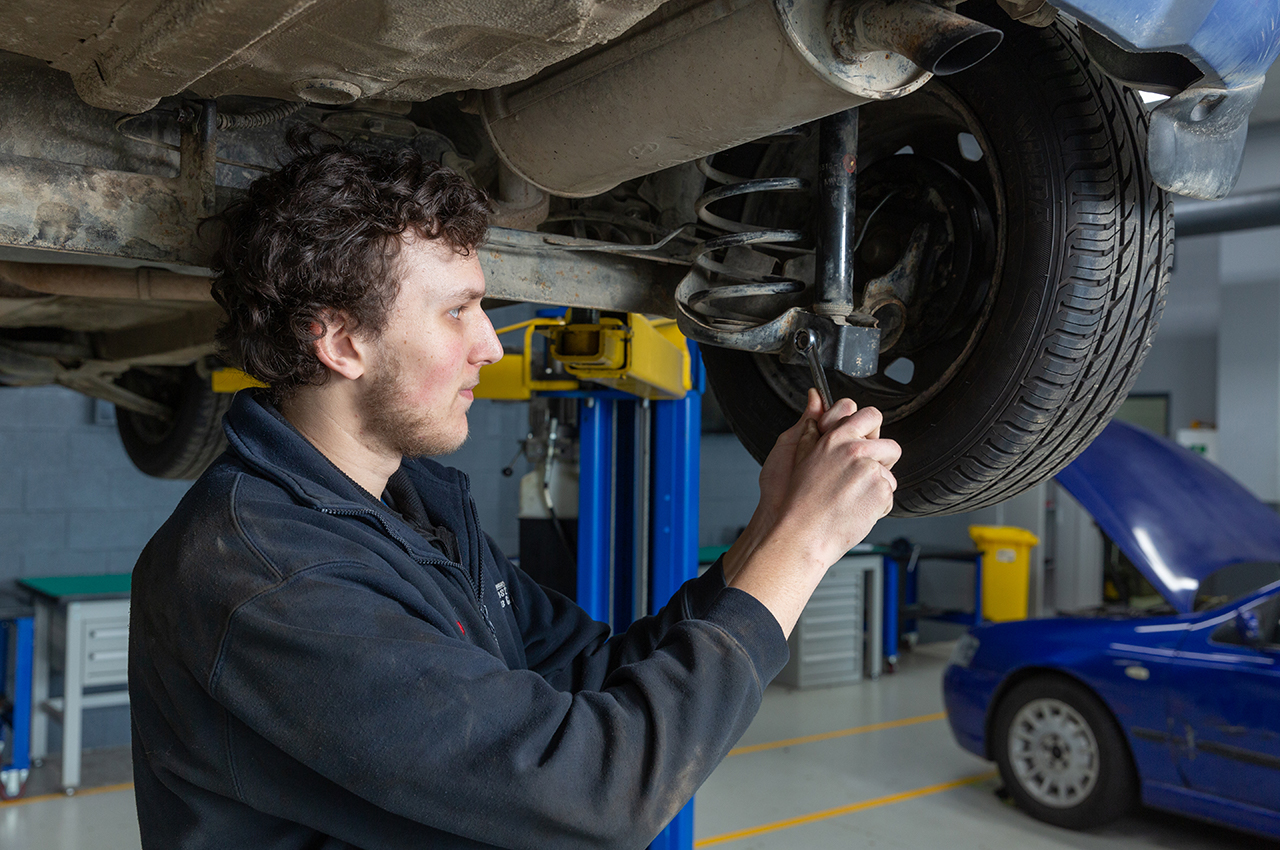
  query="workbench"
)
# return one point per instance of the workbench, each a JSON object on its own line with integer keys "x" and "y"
{"x": 82, "y": 628}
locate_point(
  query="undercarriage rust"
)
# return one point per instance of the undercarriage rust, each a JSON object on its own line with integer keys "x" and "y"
{"x": 290, "y": 48}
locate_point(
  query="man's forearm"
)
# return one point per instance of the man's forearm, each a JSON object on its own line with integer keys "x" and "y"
{"x": 746, "y": 543}
{"x": 780, "y": 574}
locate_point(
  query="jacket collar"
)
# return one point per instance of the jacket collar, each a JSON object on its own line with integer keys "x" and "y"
{"x": 265, "y": 441}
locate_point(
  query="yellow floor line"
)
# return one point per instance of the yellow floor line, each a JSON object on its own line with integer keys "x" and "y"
{"x": 841, "y": 733}
{"x": 88, "y": 792}
{"x": 844, "y": 810}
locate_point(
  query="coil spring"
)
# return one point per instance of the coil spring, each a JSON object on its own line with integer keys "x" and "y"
{"x": 705, "y": 301}
{"x": 257, "y": 118}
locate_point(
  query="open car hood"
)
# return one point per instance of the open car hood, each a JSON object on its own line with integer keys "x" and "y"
{"x": 1176, "y": 516}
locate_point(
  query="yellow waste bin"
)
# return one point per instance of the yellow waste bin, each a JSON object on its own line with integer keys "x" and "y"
{"x": 1006, "y": 570}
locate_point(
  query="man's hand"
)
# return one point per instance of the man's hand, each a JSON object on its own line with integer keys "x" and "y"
{"x": 775, "y": 475}
{"x": 841, "y": 483}
{"x": 827, "y": 481}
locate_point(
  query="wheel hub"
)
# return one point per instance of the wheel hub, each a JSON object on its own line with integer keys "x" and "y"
{"x": 929, "y": 243}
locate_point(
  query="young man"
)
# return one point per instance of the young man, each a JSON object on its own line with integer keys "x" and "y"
{"x": 326, "y": 649}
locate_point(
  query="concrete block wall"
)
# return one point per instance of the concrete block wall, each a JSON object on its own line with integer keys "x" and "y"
{"x": 72, "y": 501}
{"x": 729, "y": 488}
{"x": 73, "y": 504}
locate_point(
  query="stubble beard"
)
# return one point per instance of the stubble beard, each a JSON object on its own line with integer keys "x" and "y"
{"x": 395, "y": 423}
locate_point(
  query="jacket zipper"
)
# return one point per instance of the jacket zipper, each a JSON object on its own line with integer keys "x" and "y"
{"x": 404, "y": 544}
{"x": 475, "y": 537}
{"x": 484, "y": 609}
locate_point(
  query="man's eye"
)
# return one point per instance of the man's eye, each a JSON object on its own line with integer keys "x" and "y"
{"x": 456, "y": 312}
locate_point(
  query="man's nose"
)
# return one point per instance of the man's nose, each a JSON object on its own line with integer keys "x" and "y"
{"x": 488, "y": 349}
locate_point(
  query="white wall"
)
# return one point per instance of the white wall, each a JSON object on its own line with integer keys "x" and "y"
{"x": 1249, "y": 387}
{"x": 1248, "y": 350}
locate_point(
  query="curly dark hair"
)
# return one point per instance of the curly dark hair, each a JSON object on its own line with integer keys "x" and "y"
{"x": 320, "y": 234}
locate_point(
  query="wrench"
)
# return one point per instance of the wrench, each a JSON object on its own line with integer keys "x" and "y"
{"x": 806, "y": 342}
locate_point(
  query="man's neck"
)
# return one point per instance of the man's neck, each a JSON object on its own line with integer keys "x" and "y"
{"x": 312, "y": 411}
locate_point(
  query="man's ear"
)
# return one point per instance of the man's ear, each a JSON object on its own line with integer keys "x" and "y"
{"x": 338, "y": 348}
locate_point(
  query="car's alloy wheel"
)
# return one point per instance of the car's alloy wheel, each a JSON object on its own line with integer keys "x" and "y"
{"x": 1053, "y": 753}
{"x": 1020, "y": 189}
{"x": 1061, "y": 755}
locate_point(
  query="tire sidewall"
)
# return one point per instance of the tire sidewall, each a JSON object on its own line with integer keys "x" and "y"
{"x": 192, "y": 441}
{"x": 1012, "y": 99}
{"x": 1018, "y": 408}
{"x": 1114, "y": 793}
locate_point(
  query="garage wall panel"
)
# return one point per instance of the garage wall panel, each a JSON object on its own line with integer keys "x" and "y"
{"x": 1187, "y": 369}
{"x": 1249, "y": 387}
{"x": 729, "y": 488}
{"x": 59, "y": 514}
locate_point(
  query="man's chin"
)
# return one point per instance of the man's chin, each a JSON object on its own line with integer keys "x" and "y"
{"x": 438, "y": 447}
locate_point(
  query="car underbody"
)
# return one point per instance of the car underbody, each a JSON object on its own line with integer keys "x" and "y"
{"x": 678, "y": 159}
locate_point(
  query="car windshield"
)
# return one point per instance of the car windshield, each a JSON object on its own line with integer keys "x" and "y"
{"x": 1124, "y": 589}
{"x": 1235, "y": 581}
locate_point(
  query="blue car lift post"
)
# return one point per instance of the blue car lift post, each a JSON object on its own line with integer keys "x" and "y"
{"x": 613, "y": 581}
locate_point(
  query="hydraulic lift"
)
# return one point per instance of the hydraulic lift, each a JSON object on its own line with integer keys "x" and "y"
{"x": 638, "y": 389}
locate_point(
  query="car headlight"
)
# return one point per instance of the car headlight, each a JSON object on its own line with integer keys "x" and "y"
{"x": 964, "y": 651}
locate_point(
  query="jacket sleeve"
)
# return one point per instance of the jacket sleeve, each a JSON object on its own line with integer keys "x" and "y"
{"x": 569, "y": 649}
{"x": 334, "y": 673}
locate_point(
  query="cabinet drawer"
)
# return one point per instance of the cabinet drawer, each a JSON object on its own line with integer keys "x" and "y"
{"x": 106, "y": 650}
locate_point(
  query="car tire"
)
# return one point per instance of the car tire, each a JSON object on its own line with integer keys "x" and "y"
{"x": 1061, "y": 755}
{"x": 1076, "y": 246}
{"x": 183, "y": 447}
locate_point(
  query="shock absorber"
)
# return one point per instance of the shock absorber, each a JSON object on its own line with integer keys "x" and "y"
{"x": 838, "y": 165}
{"x": 705, "y": 296}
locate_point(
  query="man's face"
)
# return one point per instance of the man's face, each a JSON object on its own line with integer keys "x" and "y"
{"x": 428, "y": 358}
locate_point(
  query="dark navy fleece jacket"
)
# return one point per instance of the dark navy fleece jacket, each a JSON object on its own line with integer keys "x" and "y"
{"x": 307, "y": 671}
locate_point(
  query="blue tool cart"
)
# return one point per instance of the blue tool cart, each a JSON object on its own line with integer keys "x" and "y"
{"x": 17, "y": 643}
{"x": 903, "y": 609}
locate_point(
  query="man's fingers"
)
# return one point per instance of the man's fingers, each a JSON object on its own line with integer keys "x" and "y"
{"x": 884, "y": 452}
{"x": 862, "y": 424}
{"x": 809, "y": 436}
{"x": 811, "y": 412}
{"x": 842, "y": 409}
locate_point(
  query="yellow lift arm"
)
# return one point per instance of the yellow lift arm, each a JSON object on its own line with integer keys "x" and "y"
{"x": 647, "y": 358}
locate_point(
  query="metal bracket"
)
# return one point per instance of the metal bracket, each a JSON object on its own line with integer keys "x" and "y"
{"x": 850, "y": 349}
{"x": 198, "y": 151}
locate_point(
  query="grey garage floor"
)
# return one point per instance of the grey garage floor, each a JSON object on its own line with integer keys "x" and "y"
{"x": 864, "y": 766}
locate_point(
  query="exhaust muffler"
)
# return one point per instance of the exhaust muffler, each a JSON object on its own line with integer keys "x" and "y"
{"x": 715, "y": 74}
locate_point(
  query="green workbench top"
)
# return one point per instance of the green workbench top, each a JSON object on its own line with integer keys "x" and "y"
{"x": 79, "y": 588}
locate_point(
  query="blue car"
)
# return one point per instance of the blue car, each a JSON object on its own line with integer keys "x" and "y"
{"x": 1177, "y": 707}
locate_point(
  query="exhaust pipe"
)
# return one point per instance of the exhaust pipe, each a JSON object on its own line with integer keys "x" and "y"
{"x": 715, "y": 75}
{"x": 142, "y": 284}
{"x": 938, "y": 40}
